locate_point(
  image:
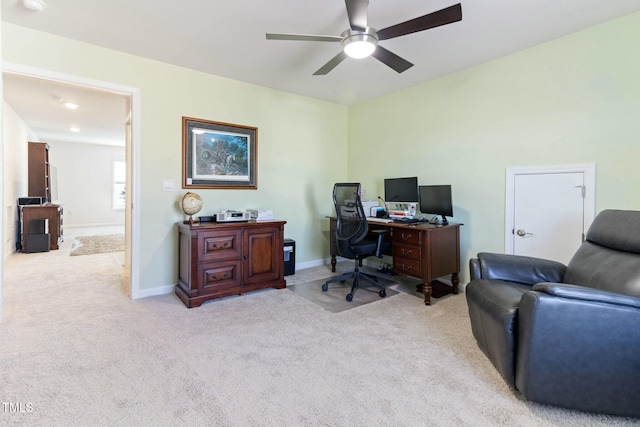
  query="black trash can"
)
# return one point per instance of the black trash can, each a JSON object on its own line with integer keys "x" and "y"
{"x": 38, "y": 238}
{"x": 289, "y": 257}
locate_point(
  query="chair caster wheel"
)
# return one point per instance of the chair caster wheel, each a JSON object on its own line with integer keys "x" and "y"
{"x": 349, "y": 297}
{"x": 382, "y": 293}
{"x": 325, "y": 287}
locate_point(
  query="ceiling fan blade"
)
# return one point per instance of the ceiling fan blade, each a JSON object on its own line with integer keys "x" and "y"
{"x": 357, "y": 13}
{"x": 442, "y": 17}
{"x": 331, "y": 64}
{"x": 303, "y": 37}
{"x": 391, "y": 59}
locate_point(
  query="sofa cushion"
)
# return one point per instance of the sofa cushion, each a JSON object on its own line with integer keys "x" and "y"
{"x": 493, "y": 307}
{"x": 520, "y": 269}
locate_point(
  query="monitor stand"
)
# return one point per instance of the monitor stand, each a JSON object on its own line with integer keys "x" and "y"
{"x": 444, "y": 220}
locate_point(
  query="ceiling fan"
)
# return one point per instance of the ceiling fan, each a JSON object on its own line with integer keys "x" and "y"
{"x": 360, "y": 40}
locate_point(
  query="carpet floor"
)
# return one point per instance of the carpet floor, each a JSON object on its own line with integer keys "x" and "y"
{"x": 75, "y": 351}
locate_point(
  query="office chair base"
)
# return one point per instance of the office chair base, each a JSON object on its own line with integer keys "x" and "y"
{"x": 356, "y": 275}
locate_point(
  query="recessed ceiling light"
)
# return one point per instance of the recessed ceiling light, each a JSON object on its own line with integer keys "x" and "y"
{"x": 71, "y": 105}
{"x": 74, "y": 129}
{"x": 37, "y": 5}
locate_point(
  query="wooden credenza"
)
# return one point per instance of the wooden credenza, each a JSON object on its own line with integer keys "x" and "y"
{"x": 222, "y": 259}
{"x": 424, "y": 251}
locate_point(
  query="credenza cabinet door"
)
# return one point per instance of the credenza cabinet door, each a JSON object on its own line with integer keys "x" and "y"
{"x": 262, "y": 250}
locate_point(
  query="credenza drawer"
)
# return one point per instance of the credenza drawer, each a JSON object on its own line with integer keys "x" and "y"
{"x": 219, "y": 245}
{"x": 219, "y": 276}
{"x": 407, "y": 251}
{"x": 406, "y": 266}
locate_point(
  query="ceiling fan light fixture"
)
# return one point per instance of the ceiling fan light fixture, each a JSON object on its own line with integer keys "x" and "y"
{"x": 359, "y": 44}
{"x": 37, "y": 5}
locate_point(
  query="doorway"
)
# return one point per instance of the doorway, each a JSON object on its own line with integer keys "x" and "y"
{"x": 548, "y": 210}
{"x": 132, "y": 144}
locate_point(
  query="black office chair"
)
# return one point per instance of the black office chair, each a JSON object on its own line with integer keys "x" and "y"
{"x": 353, "y": 238}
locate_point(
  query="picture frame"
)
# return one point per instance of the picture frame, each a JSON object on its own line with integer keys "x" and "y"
{"x": 219, "y": 155}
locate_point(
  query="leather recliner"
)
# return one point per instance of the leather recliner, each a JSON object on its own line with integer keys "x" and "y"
{"x": 566, "y": 335}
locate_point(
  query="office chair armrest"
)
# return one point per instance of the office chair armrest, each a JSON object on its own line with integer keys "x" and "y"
{"x": 381, "y": 233}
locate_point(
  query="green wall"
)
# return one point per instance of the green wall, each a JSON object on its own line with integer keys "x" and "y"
{"x": 302, "y": 143}
{"x": 571, "y": 101}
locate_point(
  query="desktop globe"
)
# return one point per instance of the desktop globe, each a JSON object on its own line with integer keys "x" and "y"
{"x": 191, "y": 204}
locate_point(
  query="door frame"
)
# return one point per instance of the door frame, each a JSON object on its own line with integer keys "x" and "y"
{"x": 133, "y": 166}
{"x": 589, "y": 171}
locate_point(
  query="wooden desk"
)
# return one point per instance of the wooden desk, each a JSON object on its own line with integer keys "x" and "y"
{"x": 424, "y": 251}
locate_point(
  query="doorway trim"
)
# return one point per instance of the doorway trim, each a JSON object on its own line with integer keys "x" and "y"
{"x": 134, "y": 166}
{"x": 589, "y": 171}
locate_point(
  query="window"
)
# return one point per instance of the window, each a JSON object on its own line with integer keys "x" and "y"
{"x": 119, "y": 184}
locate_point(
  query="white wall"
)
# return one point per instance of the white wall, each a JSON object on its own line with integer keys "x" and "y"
{"x": 575, "y": 100}
{"x": 15, "y": 134}
{"x": 85, "y": 177}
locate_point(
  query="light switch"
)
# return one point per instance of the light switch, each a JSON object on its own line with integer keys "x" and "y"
{"x": 168, "y": 185}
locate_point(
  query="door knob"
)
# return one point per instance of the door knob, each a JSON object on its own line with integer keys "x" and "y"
{"x": 523, "y": 233}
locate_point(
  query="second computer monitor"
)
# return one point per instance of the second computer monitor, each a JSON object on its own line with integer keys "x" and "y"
{"x": 436, "y": 200}
{"x": 401, "y": 190}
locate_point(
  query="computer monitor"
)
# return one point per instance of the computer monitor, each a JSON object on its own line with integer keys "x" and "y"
{"x": 401, "y": 190}
{"x": 436, "y": 200}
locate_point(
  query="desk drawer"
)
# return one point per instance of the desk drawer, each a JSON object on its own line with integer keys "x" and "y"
{"x": 219, "y": 245}
{"x": 407, "y": 251}
{"x": 409, "y": 267}
{"x": 412, "y": 237}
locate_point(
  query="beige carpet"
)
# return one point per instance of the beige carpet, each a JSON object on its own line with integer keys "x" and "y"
{"x": 82, "y": 354}
{"x": 97, "y": 244}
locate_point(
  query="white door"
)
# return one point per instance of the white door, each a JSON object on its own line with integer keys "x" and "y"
{"x": 549, "y": 212}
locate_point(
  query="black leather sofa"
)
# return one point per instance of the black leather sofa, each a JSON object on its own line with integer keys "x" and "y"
{"x": 566, "y": 335}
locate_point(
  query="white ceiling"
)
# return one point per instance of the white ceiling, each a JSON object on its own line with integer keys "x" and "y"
{"x": 101, "y": 115}
{"x": 227, "y": 38}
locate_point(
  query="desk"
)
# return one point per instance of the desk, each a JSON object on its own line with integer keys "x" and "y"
{"x": 424, "y": 251}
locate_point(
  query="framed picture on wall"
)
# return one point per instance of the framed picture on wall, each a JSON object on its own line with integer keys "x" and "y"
{"x": 218, "y": 155}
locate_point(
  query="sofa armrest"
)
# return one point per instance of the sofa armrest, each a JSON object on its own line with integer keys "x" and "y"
{"x": 583, "y": 293}
{"x": 520, "y": 269}
{"x": 474, "y": 269}
{"x": 578, "y": 348}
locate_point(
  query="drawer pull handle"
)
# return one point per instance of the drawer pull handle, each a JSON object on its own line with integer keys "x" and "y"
{"x": 406, "y": 268}
{"x": 221, "y": 276}
{"x": 405, "y": 236}
{"x": 409, "y": 252}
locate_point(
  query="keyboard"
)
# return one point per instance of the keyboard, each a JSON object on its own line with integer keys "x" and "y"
{"x": 406, "y": 220}
{"x": 383, "y": 220}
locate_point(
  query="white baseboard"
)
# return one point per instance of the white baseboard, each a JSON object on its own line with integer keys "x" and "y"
{"x": 309, "y": 264}
{"x": 162, "y": 290}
